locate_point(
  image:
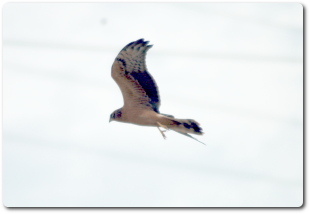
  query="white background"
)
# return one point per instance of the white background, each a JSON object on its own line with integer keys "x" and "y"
{"x": 237, "y": 69}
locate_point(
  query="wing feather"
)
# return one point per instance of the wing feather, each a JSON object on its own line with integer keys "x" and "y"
{"x": 129, "y": 71}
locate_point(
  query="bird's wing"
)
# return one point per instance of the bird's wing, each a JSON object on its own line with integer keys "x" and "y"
{"x": 129, "y": 71}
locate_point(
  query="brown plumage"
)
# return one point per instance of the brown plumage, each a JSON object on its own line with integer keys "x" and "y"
{"x": 141, "y": 95}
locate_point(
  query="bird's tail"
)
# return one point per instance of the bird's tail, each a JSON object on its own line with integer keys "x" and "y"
{"x": 186, "y": 126}
{"x": 182, "y": 126}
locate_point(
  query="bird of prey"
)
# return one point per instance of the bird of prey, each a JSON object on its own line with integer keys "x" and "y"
{"x": 141, "y": 95}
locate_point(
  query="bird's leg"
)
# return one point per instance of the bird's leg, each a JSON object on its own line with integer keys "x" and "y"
{"x": 162, "y": 131}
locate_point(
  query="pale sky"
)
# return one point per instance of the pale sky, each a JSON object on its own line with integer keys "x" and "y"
{"x": 235, "y": 68}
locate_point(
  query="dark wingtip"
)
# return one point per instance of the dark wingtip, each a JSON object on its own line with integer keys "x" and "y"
{"x": 139, "y": 44}
{"x": 129, "y": 44}
{"x": 139, "y": 41}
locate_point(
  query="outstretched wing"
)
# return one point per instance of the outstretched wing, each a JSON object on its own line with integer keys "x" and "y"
{"x": 129, "y": 71}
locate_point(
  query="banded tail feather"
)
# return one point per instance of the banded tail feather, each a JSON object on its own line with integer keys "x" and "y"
{"x": 183, "y": 126}
{"x": 186, "y": 126}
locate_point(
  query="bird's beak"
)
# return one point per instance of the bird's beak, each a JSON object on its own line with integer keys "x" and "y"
{"x": 110, "y": 120}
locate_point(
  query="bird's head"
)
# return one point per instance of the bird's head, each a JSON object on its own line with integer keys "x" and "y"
{"x": 116, "y": 115}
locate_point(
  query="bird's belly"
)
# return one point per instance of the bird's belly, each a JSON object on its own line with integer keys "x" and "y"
{"x": 147, "y": 118}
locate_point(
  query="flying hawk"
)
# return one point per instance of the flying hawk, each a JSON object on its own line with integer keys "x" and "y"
{"x": 141, "y": 96}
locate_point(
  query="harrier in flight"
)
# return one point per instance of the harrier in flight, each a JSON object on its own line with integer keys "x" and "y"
{"x": 141, "y": 95}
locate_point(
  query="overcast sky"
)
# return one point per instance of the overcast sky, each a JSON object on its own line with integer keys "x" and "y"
{"x": 235, "y": 68}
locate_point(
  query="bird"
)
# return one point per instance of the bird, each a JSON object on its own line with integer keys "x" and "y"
{"x": 141, "y": 95}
